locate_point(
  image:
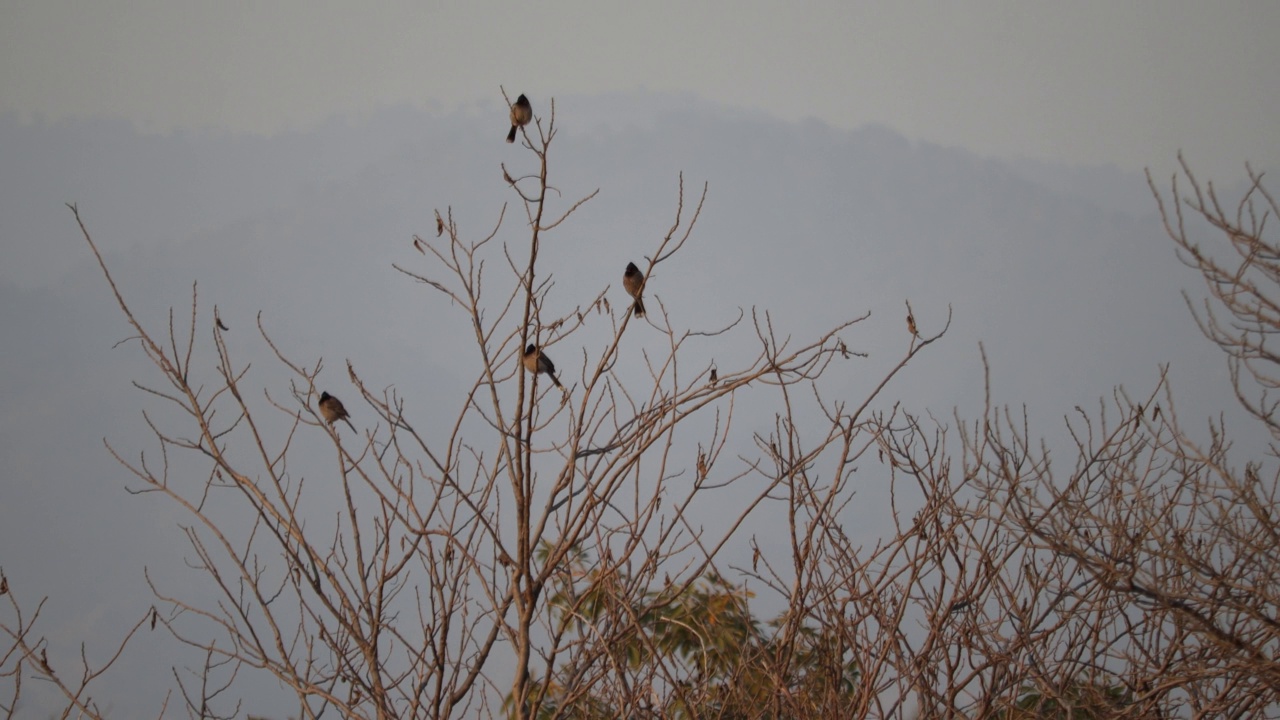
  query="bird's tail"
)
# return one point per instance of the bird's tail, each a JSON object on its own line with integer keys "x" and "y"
{"x": 353, "y": 427}
{"x": 637, "y": 309}
{"x": 511, "y": 136}
{"x": 555, "y": 380}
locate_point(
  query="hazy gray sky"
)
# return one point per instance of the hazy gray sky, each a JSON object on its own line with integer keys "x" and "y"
{"x": 1061, "y": 272}
{"x": 1081, "y": 82}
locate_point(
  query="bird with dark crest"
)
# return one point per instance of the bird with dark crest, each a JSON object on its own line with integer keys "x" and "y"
{"x": 633, "y": 283}
{"x": 521, "y": 114}
{"x": 536, "y": 361}
{"x": 332, "y": 410}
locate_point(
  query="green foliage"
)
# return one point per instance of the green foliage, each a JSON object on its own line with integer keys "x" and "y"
{"x": 1078, "y": 701}
{"x": 697, "y": 649}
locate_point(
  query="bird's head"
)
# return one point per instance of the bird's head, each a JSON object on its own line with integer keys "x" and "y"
{"x": 324, "y": 396}
{"x": 531, "y": 349}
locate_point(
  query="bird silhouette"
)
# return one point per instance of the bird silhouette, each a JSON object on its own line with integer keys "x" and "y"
{"x": 521, "y": 114}
{"x": 536, "y": 361}
{"x": 633, "y": 282}
{"x": 332, "y": 410}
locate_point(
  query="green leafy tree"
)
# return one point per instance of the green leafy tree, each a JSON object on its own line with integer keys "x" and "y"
{"x": 715, "y": 658}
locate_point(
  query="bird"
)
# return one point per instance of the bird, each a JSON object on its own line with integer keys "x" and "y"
{"x": 521, "y": 114}
{"x": 536, "y": 361}
{"x": 332, "y": 411}
{"x": 911, "y": 325}
{"x": 633, "y": 281}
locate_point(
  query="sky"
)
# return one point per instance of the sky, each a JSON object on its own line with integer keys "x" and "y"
{"x": 981, "y": 159}
{"x": 1088, "y": 82}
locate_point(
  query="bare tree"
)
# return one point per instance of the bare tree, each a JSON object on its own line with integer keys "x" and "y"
{"x": 449, "y": 578}
{"x": 550, "y": 554}
{"x": 1163, "y": 546}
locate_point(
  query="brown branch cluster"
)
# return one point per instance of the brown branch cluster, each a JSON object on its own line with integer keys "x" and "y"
{"x": 554, "y": 553}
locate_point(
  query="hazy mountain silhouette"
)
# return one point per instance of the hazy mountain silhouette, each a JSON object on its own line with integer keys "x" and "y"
{"x": 1062, "y": 272}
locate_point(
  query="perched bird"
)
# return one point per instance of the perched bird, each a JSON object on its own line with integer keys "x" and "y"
{"x": 911, "y": 325}
{"x": 633, "y": 281}
{"x": 536, "y": 361}
{"x": 332, "y": 411}
{"x": 521, "y": 114}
